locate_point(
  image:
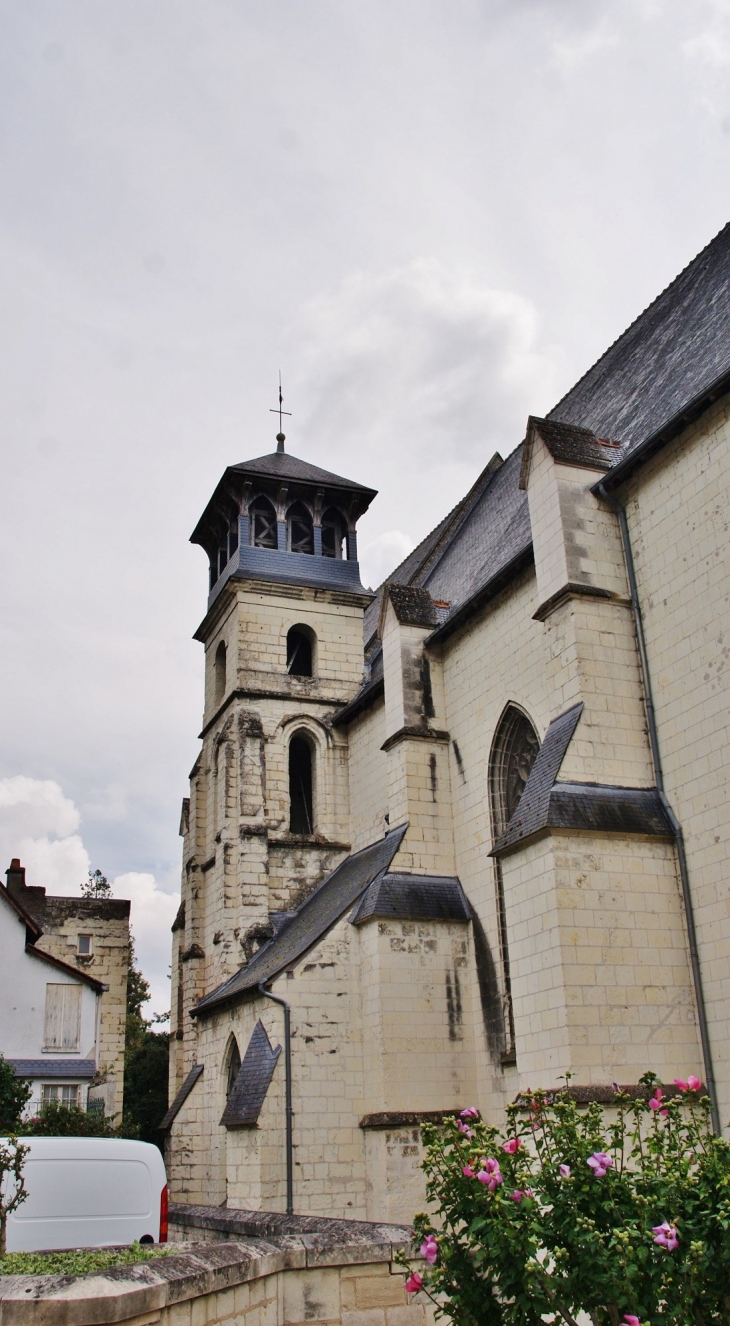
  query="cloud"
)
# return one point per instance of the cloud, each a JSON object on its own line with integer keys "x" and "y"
{"x": 420, "y": 370}
{"x": 37, "y": 825}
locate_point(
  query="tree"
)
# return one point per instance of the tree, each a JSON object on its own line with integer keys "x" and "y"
{"x": 12, "y": 1189}
{"x": 15, "y": 1092}
{"x": 146, "y": 1061}
{"x": 96, "y": 886}
{"x": 625, "y": 1220}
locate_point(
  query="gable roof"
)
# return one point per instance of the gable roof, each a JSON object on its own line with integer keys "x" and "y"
{"x": 310, "y": 922}
{"x": 678, "y": 348}
{"x": 32, "y": 928}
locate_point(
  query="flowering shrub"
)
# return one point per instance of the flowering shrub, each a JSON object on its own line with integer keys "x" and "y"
{"x": 626, "y": 1220}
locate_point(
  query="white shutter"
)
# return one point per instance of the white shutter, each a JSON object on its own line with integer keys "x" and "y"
{"x": 63, "y": 1017}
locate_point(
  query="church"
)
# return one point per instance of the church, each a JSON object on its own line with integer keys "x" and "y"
{"x": 469, "y": 833}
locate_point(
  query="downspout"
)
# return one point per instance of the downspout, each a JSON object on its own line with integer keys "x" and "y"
{"x": 289, "y": 1111}
{"x": 676, "y": 827}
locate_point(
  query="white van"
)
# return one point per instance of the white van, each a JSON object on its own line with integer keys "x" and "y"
{"x": 89, "y": 1192}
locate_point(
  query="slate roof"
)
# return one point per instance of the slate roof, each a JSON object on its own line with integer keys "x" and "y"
{"x": 252, "y": 1082}
{"x": 281, "y": 465}
{"x": 310, "y": 922}
{"x": 68, "y": 1068}
{"x": 195, "y": 1072}
{"x": 413, "y": 898}
{"x": 547, "y": 803}
{"x": 675, "y": 350}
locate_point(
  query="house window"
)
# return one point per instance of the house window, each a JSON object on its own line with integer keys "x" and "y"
{"x": 299, "y": 529}
{"x": 333, "y": 533}
{"x": 59, "y": 1093}
{"x": 220, "y": 672}
{"x": 300, "y": 643}
{"x": 63, "y": 1017}
{"x": 84, "y": 946}
{"x": 263, "y": 523}
{"x": 301, "y": 815}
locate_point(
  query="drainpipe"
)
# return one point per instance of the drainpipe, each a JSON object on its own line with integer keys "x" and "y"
{"x": 289, "y": 1111}
{"x": 676, "y": 827}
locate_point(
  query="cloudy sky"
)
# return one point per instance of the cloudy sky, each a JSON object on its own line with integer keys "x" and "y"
{"x": 432, "y": 215}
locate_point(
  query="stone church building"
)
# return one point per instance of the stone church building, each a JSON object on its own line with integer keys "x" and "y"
{"x": 471, "y": 832}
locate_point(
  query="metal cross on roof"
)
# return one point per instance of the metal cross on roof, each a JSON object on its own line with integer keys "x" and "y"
{"x": 280, "y": 436}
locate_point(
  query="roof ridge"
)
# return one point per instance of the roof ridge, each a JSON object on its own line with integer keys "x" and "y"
{"x": 477, "y": 491}
{"x": 638, "y": 318}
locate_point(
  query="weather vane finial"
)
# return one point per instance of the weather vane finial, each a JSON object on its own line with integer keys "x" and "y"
{"x": 280, "y": 436}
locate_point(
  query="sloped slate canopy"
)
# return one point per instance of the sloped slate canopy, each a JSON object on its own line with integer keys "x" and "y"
{"x": 310, "y": 922}
{"x": 195, "y": 1072}
{"x": 249, "y": 1089}
{"x": 413, "y": 898}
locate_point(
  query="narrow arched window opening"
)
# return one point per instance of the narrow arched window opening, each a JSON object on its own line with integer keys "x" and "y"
{"x": 300, "y": 642}
{"x": 300, "y": 531}
{"x": 513, "y": 754}
{"x": 263, "y": 523}
{"x": 234, "y": 1066}
{"x": 220, "y": 672}
{"x": 333, "y": 533}
{"x": 301, "y": 813}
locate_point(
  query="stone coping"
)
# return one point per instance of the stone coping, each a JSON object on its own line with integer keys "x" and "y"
{"x": 146, "y": 1288}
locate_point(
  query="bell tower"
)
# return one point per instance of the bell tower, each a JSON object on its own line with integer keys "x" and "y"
{"x": 268, "y": 812}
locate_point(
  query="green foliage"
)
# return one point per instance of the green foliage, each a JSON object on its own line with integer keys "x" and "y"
{"x": 551, "y": 1229}
{"x": 79, "y": 1262}
{"x": 56, "y": 1120}
{"x": 96, "y": 886}
{"x": 146, "y": 1060}
{"x": 15, "y": 1092}
{"x": 12, "y": 1188}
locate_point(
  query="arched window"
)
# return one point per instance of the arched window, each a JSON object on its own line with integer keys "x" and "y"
{"x": 300, "y": 643}
{"x": 301, "y": 810}
{"x": 263, "y": 523}
{"x": 299, "y": 530}
{"x": 220, "y": 672}
{"x": 514, "y": 749}
{"x": 234, "y": 1066}
{"x": 513, "y": 753}
{"x": 333, "y": 532}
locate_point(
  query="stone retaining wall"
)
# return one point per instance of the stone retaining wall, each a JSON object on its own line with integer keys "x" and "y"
{"x": 307, "y": 1270}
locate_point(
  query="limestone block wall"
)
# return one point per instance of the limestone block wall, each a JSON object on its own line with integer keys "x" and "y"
{"x": 600, "y": 972}
{"x": 419, "y": 791}
{"x": 368, "y": 774}
{"x": 678, "y": 519}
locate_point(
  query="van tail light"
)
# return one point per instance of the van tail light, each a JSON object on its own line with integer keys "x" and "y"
{"x": 163, "y": 1214}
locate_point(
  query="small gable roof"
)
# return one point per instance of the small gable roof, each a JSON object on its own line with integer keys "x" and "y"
{"x": 310, "y": 922}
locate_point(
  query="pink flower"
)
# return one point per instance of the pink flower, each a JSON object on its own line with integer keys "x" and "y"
{"x": 490, "y": 1174}
{"x": 468, "y": 1172}
{"x": 430, "y": 1249}
{"x": 565, "y": 1171}
{"x": 470, "y": 1113}
{"x": 666, "y": 1236}
{"x": 518, "y": 1194}
{"x": 414, "y": 1283}
{"x": 464, "y": 1128}
{"x": 600, "y": 1163}
{"x": 513, "y": 1145}
{"x": 631, "y": 1320}
{"x": 656, "y": 1101}
{"x": 692, "y": 1083}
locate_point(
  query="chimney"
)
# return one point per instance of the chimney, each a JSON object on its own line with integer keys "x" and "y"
{"x": 16, "y": 885}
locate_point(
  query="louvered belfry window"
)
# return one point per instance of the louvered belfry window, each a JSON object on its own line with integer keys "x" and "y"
{"x": 263, "y": 523}
{"x": 63, "y": 1017}
{"x": 300, "y": 532}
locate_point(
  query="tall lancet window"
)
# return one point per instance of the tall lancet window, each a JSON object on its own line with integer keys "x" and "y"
{"x": 263, "y": 523}
{"x": 301, "y": 785}
{"x": 299, "y": 529}
{"x": 513, "y": 754}
{"x": 233, "y": 1067}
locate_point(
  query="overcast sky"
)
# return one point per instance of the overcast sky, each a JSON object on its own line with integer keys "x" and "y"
{"x": 432, "y": 216}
